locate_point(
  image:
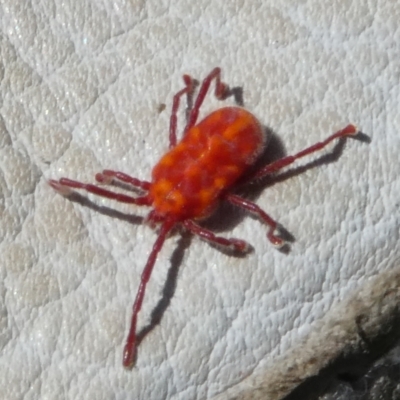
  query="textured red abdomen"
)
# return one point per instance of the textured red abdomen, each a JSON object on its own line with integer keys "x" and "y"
{"x": 213, "y": 155}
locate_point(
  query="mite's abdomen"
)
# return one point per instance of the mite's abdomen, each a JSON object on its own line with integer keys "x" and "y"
{"x": 188, "y": 180}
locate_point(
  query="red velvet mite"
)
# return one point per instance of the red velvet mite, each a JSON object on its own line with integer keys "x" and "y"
{"x": 195, "y": 175}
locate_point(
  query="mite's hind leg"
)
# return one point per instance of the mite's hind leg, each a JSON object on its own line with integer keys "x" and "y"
{"x": 188, "y": 90}
{"x": 349, "y": 130}
{"x": 221, "y": 92}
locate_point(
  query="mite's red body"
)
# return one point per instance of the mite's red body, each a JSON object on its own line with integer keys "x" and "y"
{"x": 195, "y": 175}
{"x": 188, "y": 181}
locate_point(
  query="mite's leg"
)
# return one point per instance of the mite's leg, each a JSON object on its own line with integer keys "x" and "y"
{"x": 221, "y": 92}
{"x": 349, "y": 130}
{"x": 64, "y": 185}
{"x": 107, "y": 177}
{"x": 254, "y": 208}
{"x": 188, "y": 90}
{"x": 234, "y": 244}
{"x": 130, "y": 346}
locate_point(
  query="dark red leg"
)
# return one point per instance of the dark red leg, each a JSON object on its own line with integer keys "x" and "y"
{"x": 188, "y": 90}
{"x": 235, "y": 244}
{"x": 349, "y": 130}
{"x": 254, "y": 208}
{"x": 221, "y": 91}
{"x": 130, "y": 346}
{"x": 64, "y": 185}
{"x": 107, "y": 176}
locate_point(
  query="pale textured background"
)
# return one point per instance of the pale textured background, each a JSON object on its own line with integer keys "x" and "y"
{"x": 80, "y": 85}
